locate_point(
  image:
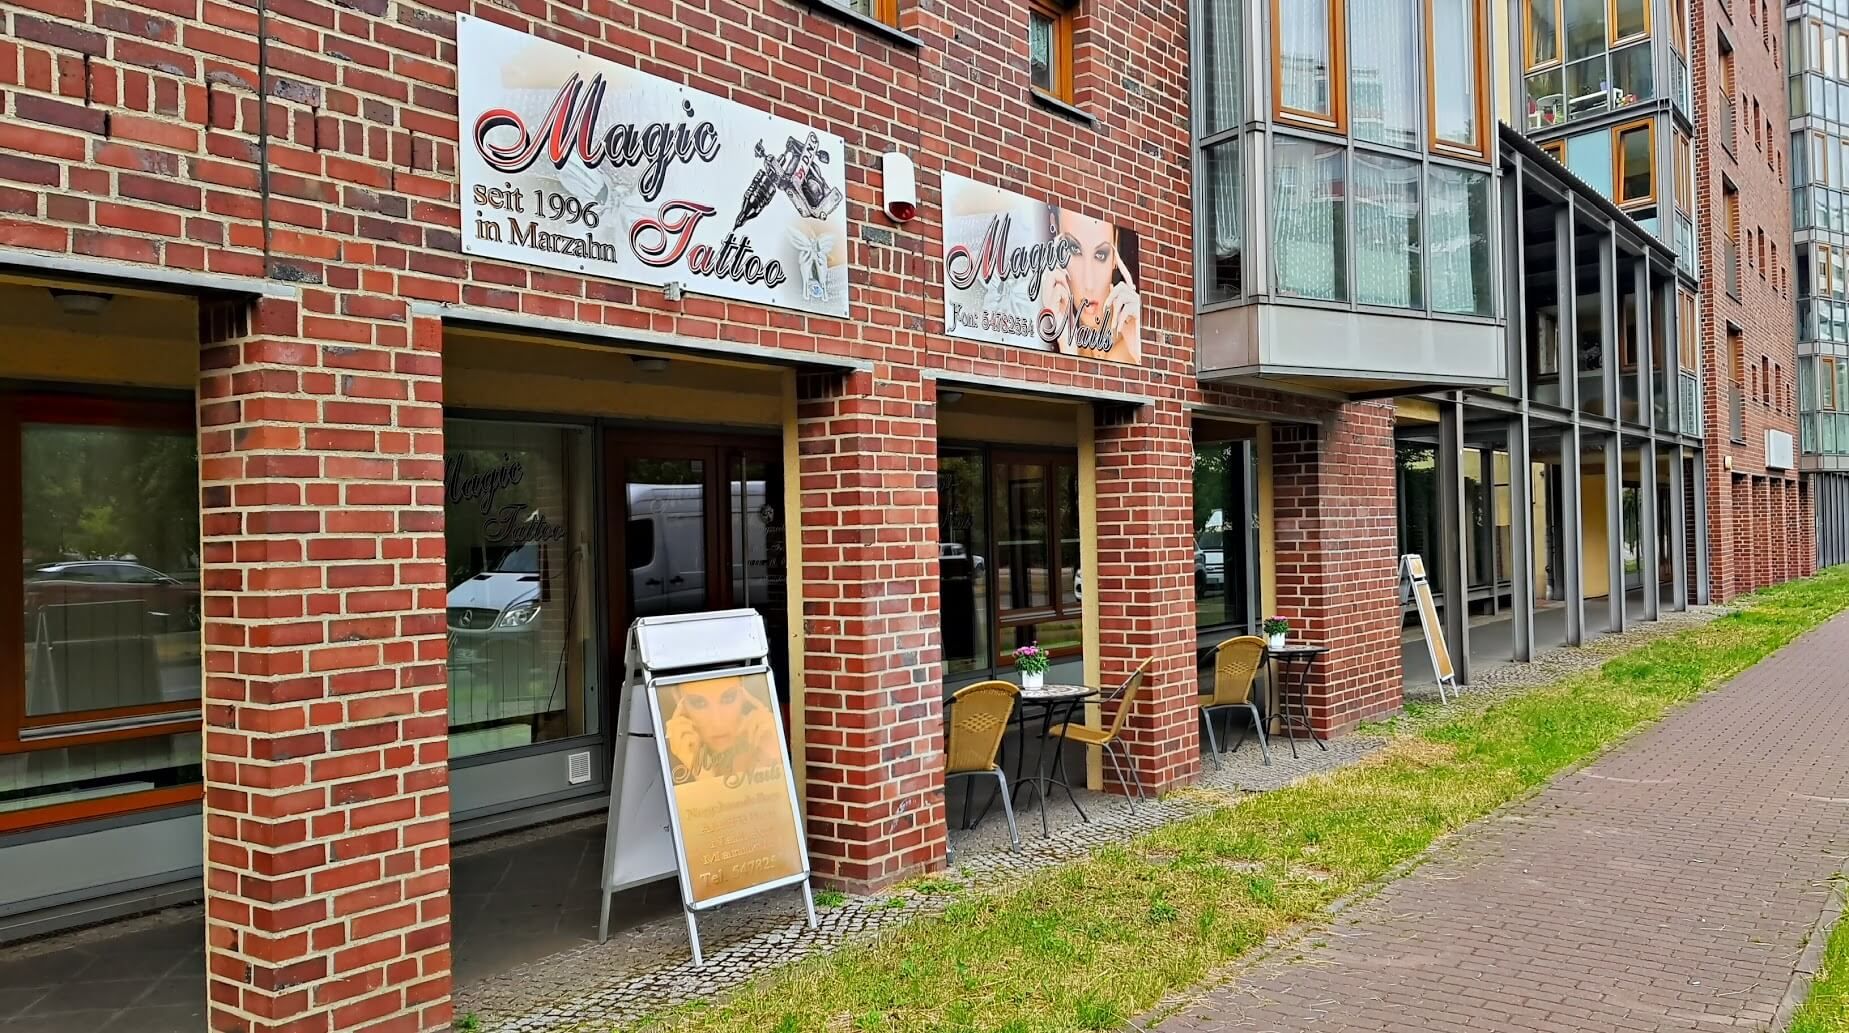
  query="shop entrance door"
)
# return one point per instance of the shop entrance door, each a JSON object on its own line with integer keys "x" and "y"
{"x": 696, "y": 524}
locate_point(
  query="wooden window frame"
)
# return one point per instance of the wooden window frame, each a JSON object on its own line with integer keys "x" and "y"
{"x": 1452, "y": 147}
{"x": 1050, "y": 460}
{"x": 1688, "y": 339}
{"x": 1824, "y": 285}
{"x": 885, "y": 12}
{"x": 1678, "y": 26}
{"x": 1611, "y": 24}
{"x": 17, "y": 410}
{"x": 1337, "y": 119}
{"x": 1826, "y": 384}
{"x": 1529, "y": 64}
{"x": 1556, "y": 148}
{"x": 1062, "y": 15}
{"x": 1648, "y": 125}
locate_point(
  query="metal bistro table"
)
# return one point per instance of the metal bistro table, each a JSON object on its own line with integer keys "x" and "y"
{"x": 1297, "y": 657}
{"x": 1051, "y": 700}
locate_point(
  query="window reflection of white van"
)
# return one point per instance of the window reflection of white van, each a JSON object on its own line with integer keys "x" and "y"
{"x": 1210, "y": 554}
{"x": 496, "y": 607}
{"x": 666, "y": 545}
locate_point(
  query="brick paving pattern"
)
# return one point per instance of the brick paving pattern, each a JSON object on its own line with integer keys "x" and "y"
{"x": 1669, "y": 886}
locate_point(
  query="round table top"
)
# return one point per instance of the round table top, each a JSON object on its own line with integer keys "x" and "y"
{"x": 1052, "y": 693}
{"x": 1291, "y": 650}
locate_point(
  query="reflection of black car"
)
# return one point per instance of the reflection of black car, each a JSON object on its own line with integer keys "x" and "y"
{"x": 174, "y": 604}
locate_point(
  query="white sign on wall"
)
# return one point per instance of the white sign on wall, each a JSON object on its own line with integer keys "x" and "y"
{"x": 574, "y": 162}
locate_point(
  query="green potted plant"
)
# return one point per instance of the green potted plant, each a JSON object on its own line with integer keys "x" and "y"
{"x": 1276, "y": 629}
{"x": 1032, "y": 662}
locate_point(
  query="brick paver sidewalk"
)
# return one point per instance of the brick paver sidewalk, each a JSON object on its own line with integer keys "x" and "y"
{"x": 1672, "y": 885}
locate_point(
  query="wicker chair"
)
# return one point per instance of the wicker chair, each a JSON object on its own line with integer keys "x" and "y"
{"x": 1235, "y": 674}
{"x": 1110, "y": 740}
{"x": 979, "y": 717}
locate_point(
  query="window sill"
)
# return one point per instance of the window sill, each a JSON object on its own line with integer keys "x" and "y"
{"x": 852, "y": 17}
{"x": 1060, "y": 107}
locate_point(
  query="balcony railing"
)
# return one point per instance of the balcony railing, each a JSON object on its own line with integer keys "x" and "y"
{"x": 1736, "y": 412}
{"x": 1731, "y": 255}
{"x": 1726, "y": 127}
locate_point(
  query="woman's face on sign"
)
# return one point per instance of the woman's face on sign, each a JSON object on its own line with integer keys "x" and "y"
{"x": 716, "y": 710}
{"x": 1092, "y": 266}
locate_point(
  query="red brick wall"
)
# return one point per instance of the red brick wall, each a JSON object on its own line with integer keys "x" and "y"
{"x": 148, "y": 134}
{"x": 1764, "y": 312}
{"x": 873, "y": 707}
{"x": 1337, "y": 558}
{"x": 327, "y": 802}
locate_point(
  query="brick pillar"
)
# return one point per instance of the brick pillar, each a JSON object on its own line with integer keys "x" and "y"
{"x": 1782, "y": 537}
{"x": 326, "y": 777}
{"x": 1145, "y": 584}
{"x": 1727, "y": 537}
{"x": 1334, "y": 508}
{"x": 872, "y": 699}
{"x": 1758, "y": 543}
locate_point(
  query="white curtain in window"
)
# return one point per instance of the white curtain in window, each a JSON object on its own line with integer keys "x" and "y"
{"x": 1225, "y": 214}
{"x": 1458, "y": 210}
{"x": 1220, "y": 77}
{"x": 1309, "y": 239}
{"x": 1387, "y": 266}
{"x": 1305, "y": 80}
{"x": 1384, "y": 71}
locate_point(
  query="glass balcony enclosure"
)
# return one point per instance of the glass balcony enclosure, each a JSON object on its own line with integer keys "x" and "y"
{"x": 1817, "y": 40}
{"x": 1346, "y": 193}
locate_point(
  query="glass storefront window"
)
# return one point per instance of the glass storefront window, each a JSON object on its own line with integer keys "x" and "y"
{"x": 1222, "y": 518}
{"x": 1020, "y": 584}
{"x": 517, "y": 519}
{"x": 1308, "y": 237}
{"x": 962, "y": 563}
{"x": 109, "y": 622}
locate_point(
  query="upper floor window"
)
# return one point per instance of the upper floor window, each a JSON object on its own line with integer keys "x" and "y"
{"x": 1688, "y": 340}
{"x": 1387, "y": 84}
{"x": 1685, "y": 174}
{"x": 1678, "y": 26}
{"x": 886, "y": 11}
{"x": 1307, "y": 72}
{"x": 1457, "y": 75}
{"x": 1630, "y": 19}
{"x": 1049, "y": 47}
{"x": 1635, "y": 147}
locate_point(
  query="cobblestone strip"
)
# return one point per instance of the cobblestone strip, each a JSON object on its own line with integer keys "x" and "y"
{"x": 649, "y": 967}
{"x": 1671, "y": 885}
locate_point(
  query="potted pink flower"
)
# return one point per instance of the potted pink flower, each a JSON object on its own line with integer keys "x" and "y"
{"x": 1032, "y": 662}
{"x": 1277, "y": 629}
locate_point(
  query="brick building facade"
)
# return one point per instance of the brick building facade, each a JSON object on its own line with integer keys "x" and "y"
{"x": 290, "y": 176}
{"x": 1759, "y": 510}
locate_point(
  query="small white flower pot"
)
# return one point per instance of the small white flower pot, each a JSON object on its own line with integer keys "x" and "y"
{"x": 1277, "y": 641}
{"x": 1033, "y": 681}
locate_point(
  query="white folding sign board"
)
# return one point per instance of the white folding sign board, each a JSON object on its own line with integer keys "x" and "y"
{"x": 1414, "y": 586}
{"x": 702, "y": 784}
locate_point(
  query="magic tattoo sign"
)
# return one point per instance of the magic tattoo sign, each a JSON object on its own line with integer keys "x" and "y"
{"x": 573, "y": 162}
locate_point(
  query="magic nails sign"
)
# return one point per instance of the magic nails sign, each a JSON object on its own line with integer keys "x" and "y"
{"x": 1023, "y": 272}
{"x": 573, "y": 162}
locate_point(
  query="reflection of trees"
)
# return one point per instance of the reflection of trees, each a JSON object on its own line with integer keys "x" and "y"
{"x": 1212, "y": 484}
{"x": 1418, "y": 484}
{"x": 111, "y": 493}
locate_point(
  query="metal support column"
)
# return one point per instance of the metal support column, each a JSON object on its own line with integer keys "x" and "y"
{"x": 1678, "y": 532}
{"x": 1454, "y": 580}
{"x": 1649, "y": 560}
{"x": 1614, "y": 530}
{"x": 1704, "y": 589}
{"x": 1573, "y": 534}
{"x": 1521, "y": 542}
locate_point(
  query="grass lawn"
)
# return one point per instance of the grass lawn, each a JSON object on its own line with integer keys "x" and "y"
{"x": 1088, "y": 945}
{"x": 1826, "y": 1010}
